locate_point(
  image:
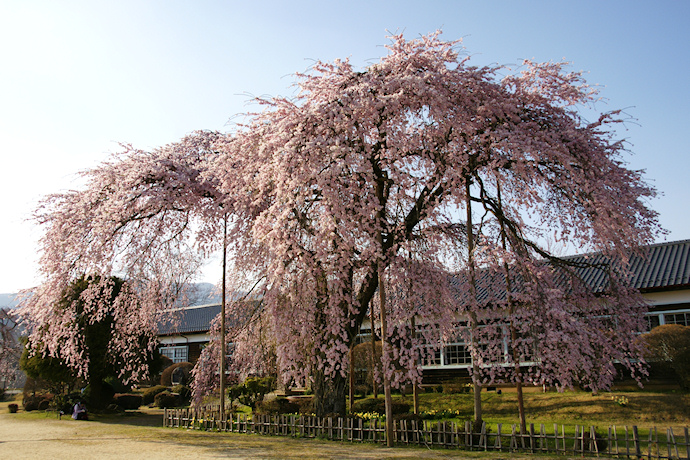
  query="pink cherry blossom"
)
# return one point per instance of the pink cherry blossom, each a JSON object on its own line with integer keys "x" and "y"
{"x": 368, "y": 172}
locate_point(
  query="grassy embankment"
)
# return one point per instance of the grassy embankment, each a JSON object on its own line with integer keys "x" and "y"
{"x": 644, "y": 408}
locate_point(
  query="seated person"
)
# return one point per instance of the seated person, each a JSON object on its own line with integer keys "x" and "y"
{"x": 79, "y": 412}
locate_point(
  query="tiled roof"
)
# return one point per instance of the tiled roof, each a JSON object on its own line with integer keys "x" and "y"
{"x": 662, "y": 266}
{"x": 197, "y": 319}
{"x": 655, "y": 267}
{"x": 190, "y": 320}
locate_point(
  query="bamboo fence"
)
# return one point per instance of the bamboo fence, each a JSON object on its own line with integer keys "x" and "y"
{"x": 626, "y": 441}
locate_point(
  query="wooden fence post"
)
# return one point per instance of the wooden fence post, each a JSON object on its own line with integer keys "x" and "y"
{"x": 636, "y": 442}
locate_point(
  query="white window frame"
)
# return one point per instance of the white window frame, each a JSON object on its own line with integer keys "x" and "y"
{"x": 177, "y": 353}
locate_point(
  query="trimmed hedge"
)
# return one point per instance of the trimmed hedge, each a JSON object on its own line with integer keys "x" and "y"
{"x": 184, "y": 392}
{"x": 277, "y": 406}
{"x": 306, "y": 406}
{"x": 149, "y": 394}
{"x": 166, "y": 376}
{"x": 37, "y": 402}
{"x": 128, "y": 401}
{"x": 165, "y": 400}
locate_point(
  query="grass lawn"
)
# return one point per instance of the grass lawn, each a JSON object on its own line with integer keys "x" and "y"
{"x": 644, "y": 409}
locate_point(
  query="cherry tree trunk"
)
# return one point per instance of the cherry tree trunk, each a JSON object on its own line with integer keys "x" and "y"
{"x": 223, "y": 346}
{"x": 352, "y": 379}
{"x": 374, "y": 358}
{"x": 474, "y": 325}
{"x": 96, "y": 338}
{"x": 95, "y": 397}
{"x": 329, "y": 394}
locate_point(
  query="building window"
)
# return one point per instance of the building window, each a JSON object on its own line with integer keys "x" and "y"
{"x": 677, "y": 318}
{"x": 456, "y": 354}
{"x": 364, "y": 336}
{"x": 652, "y": 321}
{"x": 178, "y": 354}
{"x": 429, "y": 356}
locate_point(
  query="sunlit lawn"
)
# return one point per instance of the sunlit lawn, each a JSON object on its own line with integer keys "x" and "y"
{"x": 644, "y": 409}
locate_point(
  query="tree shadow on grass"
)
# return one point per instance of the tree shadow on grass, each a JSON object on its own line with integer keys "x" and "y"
{"x": 131, "y": 417}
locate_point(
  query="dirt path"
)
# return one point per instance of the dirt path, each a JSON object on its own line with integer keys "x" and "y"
{"x": 38, "y": 436}
{"x": 47, "y": 437}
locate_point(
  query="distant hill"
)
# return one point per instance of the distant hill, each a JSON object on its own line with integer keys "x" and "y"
{"x": 202, "y": 294}
{"x": 8, "y": 300}
{"x": 208, "y": 293}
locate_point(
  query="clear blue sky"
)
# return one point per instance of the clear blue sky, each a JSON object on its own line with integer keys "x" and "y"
{"x": 77, "y": 77}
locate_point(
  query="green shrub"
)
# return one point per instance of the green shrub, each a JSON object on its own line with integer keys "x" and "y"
{"x": 128, "y": 401}
{"x": 165, "y": 400}
{"x": 257, "y": 387}
{"x": 306, "y": 406}
{"x": 149, "y": 394}
{"x": 456, "y": 387}
{"x": 252, "y": 390}
{"x": 37, "y": 402}
{"x": 13, "y": 408}
{"x": 30, "y": 403}
{"x": 117, "y": 385}
{"x": 670, "y": 344}
{"x": 65, "y": 403}
{"x": 378, "y": 405}
{"x": 277, "y": 406}
{"x": 184, "y": 393}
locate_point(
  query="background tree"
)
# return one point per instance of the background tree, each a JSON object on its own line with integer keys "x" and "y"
{"x": 58, "y": 376}
{"x": 10, "y": 348}
{"x": 366, "y": 365}
{"x": 90, "y": 323}
{"x": 136, "y": 217}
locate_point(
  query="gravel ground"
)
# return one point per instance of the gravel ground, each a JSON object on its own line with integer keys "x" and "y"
{"x": 45, "y": 437}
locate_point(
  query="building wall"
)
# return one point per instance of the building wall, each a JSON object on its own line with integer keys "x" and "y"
{"x": 667, "y": 297}
{"x": 665, "y": 308}
{"x": 670, "y": 307}
{"x": 181, "y": 348}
